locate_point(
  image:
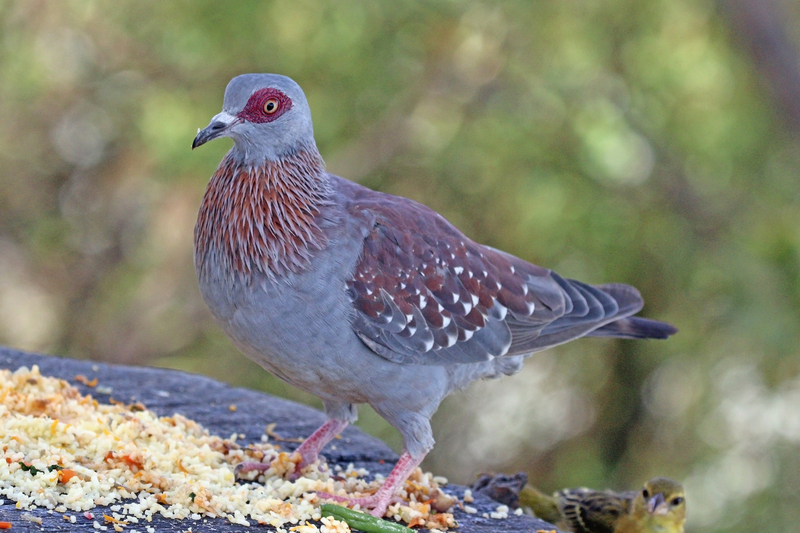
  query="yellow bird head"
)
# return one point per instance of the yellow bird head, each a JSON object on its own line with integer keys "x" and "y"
{"x": 660, "y": 506}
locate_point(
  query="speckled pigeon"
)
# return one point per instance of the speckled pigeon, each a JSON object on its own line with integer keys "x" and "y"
{"x": 358, "y": 296}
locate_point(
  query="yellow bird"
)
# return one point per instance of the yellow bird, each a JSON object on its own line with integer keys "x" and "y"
{"x": 660, "y": 507}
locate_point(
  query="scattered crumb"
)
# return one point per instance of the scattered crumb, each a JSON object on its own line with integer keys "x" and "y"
{"x": 67, "y": 451}
{"x": 30, "y": 518}
{"x": 80, "y": 378}
{"x": 331, "y": 525}
{"x": 500, "y": 513}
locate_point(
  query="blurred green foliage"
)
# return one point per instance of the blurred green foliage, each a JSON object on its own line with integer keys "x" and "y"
{"x": 610, "y": 140}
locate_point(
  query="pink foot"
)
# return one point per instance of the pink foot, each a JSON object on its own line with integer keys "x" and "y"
{"x": 387, "y": 494}
{"x": 308, "y": 452}
{"x": 250, "y": 466}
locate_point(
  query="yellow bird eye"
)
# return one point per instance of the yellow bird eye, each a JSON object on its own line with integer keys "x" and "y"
{"x": 270, "y": 106}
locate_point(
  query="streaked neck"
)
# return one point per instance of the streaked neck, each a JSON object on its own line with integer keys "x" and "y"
{"x": 263, "y": 219}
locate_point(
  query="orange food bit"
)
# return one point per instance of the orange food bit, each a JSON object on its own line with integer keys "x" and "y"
{"x": 132, "y": 462}
{"x": 418, "y": 521}
{"x": 5, "y": 525}
{"x": 80, "y": 378}
{"x": 65, "y": 474}
{"x": 53, "y": 426}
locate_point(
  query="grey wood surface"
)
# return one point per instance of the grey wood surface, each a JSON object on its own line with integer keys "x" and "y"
{"x": 206, "y": 401}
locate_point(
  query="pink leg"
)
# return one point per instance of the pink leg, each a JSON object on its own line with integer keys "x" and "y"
{"x": 379, "y": 501}
{"x": 309, "y": 450}
{"x": 311, "y": 447}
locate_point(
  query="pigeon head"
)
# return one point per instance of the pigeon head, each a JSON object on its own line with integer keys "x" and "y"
{"x": 266, "y": 115}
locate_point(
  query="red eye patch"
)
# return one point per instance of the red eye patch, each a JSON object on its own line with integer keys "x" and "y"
{"x": 265, "y": 105}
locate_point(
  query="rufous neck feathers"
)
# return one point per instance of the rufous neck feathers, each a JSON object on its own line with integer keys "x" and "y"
{"x": 263, "y": 219}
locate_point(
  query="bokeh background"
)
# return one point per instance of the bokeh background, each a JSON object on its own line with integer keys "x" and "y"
{"x": 651, "y": 142}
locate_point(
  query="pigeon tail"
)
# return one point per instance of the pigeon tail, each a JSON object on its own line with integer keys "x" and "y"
{"x": 635, "y": 328}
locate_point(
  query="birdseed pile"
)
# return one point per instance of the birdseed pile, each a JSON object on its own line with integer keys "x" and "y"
{"x": 66, "y": 452}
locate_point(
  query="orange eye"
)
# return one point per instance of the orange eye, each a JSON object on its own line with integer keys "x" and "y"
{"x": 270, "y": 106}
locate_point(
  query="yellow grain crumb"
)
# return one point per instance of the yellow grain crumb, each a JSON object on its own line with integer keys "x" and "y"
{"x": 66, "y": 449}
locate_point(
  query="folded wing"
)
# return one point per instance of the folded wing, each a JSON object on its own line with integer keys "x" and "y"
{"x": 424, "y": 293}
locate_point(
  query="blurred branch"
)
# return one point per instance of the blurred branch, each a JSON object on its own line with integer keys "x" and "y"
{"x": 758, "y": 26}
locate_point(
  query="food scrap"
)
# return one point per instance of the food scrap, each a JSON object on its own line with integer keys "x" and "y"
{"x": 80, "y": 378}
{"x": 28, "y": 517}
{"x": 65, "y": 451}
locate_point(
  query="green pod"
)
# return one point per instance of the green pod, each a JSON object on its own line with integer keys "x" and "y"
{"x": 362, "y": 521}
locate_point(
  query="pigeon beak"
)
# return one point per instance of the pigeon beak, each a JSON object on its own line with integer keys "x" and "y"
{"x": 656, "y": 505}
{"x": 218, "y": 127}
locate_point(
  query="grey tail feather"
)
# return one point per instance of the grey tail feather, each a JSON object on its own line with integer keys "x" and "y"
{"x": 635, "y": 328}
{"x": 627, "y": 297}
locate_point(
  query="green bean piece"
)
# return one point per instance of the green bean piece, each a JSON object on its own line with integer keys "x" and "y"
{"x": 362, "y": 521}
